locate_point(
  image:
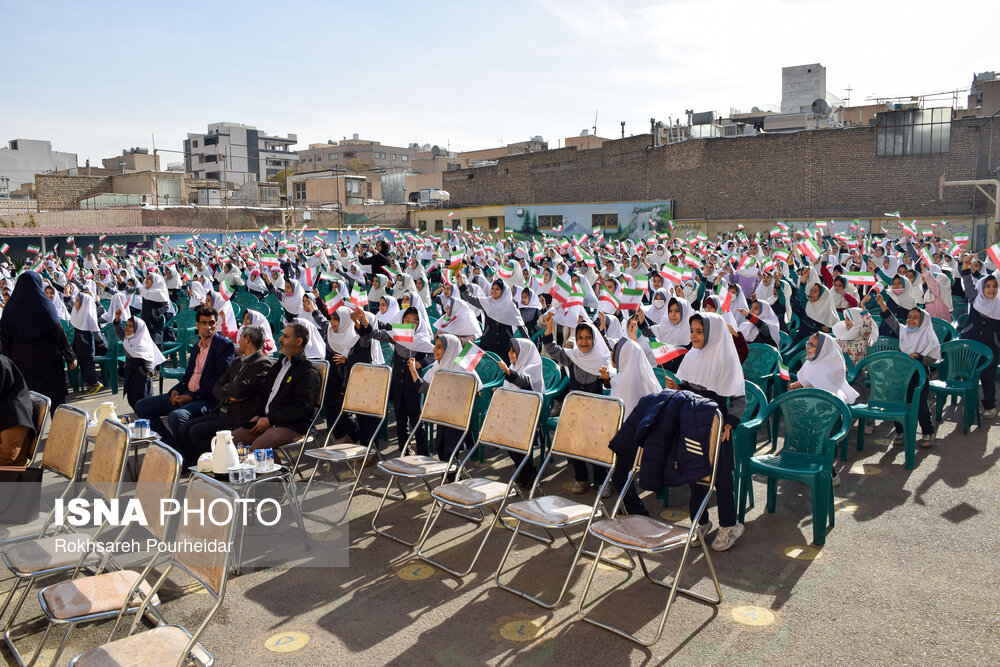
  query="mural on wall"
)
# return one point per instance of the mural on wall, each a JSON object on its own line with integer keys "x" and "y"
{"x": 617, "y": 220}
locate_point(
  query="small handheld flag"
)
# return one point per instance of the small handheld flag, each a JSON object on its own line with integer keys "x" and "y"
{"x": 469, "y": 357}
{"x": 783, "y": 371}
{"x": 664, "y": 353}
{"x": 403, "y": 333}
{"x": 226, "y": 290}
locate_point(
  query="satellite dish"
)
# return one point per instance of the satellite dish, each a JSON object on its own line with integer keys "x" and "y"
{"x": 435, "y": 151}
{"x": 755, "y": 110}
{"x": 820, "y": 107}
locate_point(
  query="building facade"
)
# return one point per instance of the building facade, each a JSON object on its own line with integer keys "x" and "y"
{"x": 238, "y": 154}
{"x": 359, "y": 154}
{"x": 21, "y": 159}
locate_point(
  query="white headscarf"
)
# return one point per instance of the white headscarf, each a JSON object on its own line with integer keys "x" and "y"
{"x": 391, "y": 309}
{"x": 922, "y": 340}
{"x": 502, "y": 310}
{"x": 859, "y": 320}
{"x": 986, "y": 307}
{"x": 422, "y": 341}
{"x": 716, "y": 366}
{"x": 84, "y": 317}
{"x": 225, "y": 309}
{"x": 597, "y": 357}
{"x": 293, "y": 302}
{"x": 750, "y": 330}
{"x": 315, "y": 348}
{"x": 635, "y": 377}
{"x": 822, "y": 309}
{"x": 197, "y": 294}
{"x": 461, "y": 319}
{"x": 827, "y": 369}
{"x": 140, "y": 344}
{"x": 378, "y": 289}
{"x": 60, "y": 306}
{"x": 158, "y": 292}
{"x": 657, "y": 314}
{"x": 258, "y": 319}
{"x": 343, "y": 340}
{"x": 452, "y": 348}
{"x": 529, "y": 363}
{"x": 674, "y": 334}
{"x": 256, "y": 284}
{"x": 904, "y": 300}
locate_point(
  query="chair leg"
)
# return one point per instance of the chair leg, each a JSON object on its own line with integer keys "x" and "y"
{"x": 939, "y": 400}
{"x": 472, "y": 564}
{"x": 820, "y": 497}
{"x": 861, "y": 438}
{"x": 910, "y": 443}
{"x": 772, "y": 494}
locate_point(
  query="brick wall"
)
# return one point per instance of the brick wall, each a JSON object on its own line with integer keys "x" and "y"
{"x": 804, "y": 175}
{"x": 58, "y": 192}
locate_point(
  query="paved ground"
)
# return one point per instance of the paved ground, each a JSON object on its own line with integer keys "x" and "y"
{"x": 909, "y": 575}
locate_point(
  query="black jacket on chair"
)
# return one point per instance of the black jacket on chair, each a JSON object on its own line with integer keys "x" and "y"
{"x": 295, "y": 402}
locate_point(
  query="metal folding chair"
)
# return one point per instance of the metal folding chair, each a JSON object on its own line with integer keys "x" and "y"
{"x": 449, "y": 403}
{"x": 367, "y": 395}
{"x": 509, "y": 425}
{"x": 645, "y": 535}
{"x": 43, "y": 557}
{"x": 40, "y": 405}
{"x": 172, "y": 644}
{"x": 586, "y": 425}
{"x": 63, "y": 455}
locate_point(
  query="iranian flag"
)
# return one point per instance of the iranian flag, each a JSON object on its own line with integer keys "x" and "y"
{"x": 575, "y": 299}
{"x": 71, "y": 270}
{"x": 811, "y": 249}
{"x": 910, "y": 228}
{"x": 664, "y": 353}
{"x": 333, "y": 301}
{"x": 822, "y": 224}
{"x": 326, "y": 275}
{"x": 589, "y": 260}
{"x": 505, "y": 272}
{"x": 469, "y": 357}
{"x": 70, "y": 252}
{"x": 962, "y": 239}
{"x": 4, "y": 248}
{"x": 560, "y": 291}
{"x": 226, "y": 290}
{"x": 774, "y": 233}
{"x": 403, "y": 333}
{"x": 692, "y": 260}
{"x": 925, "y": 257}
{"x": 726, "y": 297}
{"x": 310, "y": 275}
{"x": 359, "y": 297}
{"x": 631, "y": 298}
{"x": 783, "y": 371}
{"x": 270, "y": 261}
{"x": 265, "y": 229}
{"x": 782, "y": 226}
{"x": 994, "y": 252}
{"x": 455, "y": 259}
{"x": 745, "y": 263}
{"x": 608, "y": 297}
{"x": 33, "y": 249}
{"x": 780, "y": 256}
{"x": 672, "y": 273}
{"x": 860, "y": 278}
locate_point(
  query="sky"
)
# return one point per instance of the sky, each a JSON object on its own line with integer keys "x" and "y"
{"x": 461, "y": 75}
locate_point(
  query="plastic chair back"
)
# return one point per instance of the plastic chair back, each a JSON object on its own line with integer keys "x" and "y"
{"x": 489, "y": 371}
{"x": 964, "y": 360}
{"x": 884, "y": 344}
{"x": 785, "y": 341}
{"x": 261, "y": 308}
{"x": 943, "y": 330}
{"x": 756, "y": 400}
{"x": 812, "y": 417}
{"x": 761, "y": 363}
{"x": 890, "y": 374}
{"x": 586, "y": 425}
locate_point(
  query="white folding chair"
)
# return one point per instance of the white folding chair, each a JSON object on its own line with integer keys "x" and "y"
{"x": 367, "y": 396}
{"x": 449, "y": 403}
{"x": 586, "y": 425}
{"x": 645, "y": 535}
{"x": 509, "y": 425}
{"x": 174, "y": 644}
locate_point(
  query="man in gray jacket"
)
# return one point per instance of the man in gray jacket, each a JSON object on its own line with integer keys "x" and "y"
{"x": 235, "y": 391}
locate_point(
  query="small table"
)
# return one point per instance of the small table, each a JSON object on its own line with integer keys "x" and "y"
{"x": 281, "y": 474}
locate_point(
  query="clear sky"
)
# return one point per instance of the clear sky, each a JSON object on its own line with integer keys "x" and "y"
{"x": 97, "y": 77}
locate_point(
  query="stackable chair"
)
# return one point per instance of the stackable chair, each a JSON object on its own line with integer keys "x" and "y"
{"x": 509, "y": 424}
{"x": 101, "y": 595}
{"x": 963, "y": 363}
{"x": 30, "y": 560}
{"x": 449, "y": 403}
{"x": 173, "y": 644}
{"x": 367, "y": 395}
{"x": 586, "y": 425}
{"x": 646, "y": 535}
{"x": 63, "y": 455}
{"x": 40, "y": 405}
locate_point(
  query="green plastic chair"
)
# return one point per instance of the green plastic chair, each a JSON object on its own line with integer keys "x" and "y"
{"x": 815, "y": 421}
{"x": 761, "y": 368}
{"x": 489, "y": 372}
{"x": 960, "y": 322}
{"x": 109, "y": 360}
{"x": 555, "y": 384}
{"x": 884, "y": 344}
{"x": 784, "y": 342}
{"x": 261, "y": 308}
{"x": 890, "y": 374}
{"x": 790, "y": 353}
{"x": 176, "y": 372}
{"x": 744, "y": 442}
{"x": 943, "y": 329}
{"x": 962, "y": 363}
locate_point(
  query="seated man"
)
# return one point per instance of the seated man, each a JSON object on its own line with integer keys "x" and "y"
{"x": 192, "y": 397}
{"x": 236, "y": 392}
{"x": 17, "y": 418}
{"x": 285, "y": 406}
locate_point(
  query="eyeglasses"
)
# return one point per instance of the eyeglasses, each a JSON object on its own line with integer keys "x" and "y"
{"x": 810, "y": 344}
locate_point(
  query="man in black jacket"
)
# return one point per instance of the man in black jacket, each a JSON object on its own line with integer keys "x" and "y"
{"x": 287, "y": 401}
{"x": 236, "y": 392}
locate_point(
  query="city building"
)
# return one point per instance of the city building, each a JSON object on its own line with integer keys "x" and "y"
{"x": 21, "y": 159}
{"x": 357, "y": 155}
{"x": 237, "y": 154}
{"x": 533, "y": 145}
{"x": 330, "y": 187}
{"x": 131, "y": 160}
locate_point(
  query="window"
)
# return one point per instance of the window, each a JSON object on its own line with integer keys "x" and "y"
{"x": 350, "y": 155}
{"x": 493, "y": 222}
{"x": 456, "y": 224}
{"x": 299, "y": 191}
{"x": 212, "y": 141}
{"x": 468, "y": 224}
{"x": 193, "y": 143}
{"x": 406, "y": 158}
{"x": 331, "y": 156}
{"x": 604, "y": 220}
{"x": 549, "y": 221}
{"x": 913, "y": 132}
{"x": 352, "y": 186}
{"x": 393, "y": 156}
{"x": 438, "y": 225}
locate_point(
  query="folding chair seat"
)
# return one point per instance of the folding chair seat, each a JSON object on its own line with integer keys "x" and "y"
{"x": 170, "y": 644}
{"x": 449, "y": 403}
{"x": 367, "y": 396}
{"x": 646, "y": 535}
{"x": 28, "y": 561}
{"x": 509, "y": 424}
{"x": 63, "y": 455}
{"x": 586, "y": 425}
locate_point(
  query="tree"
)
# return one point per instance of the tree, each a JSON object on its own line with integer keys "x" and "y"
{"x": 356, "y": 166}
{"x": 281, "y": 178}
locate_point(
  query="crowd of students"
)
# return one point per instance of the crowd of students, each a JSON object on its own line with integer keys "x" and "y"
{"x": 605, "y": 312}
